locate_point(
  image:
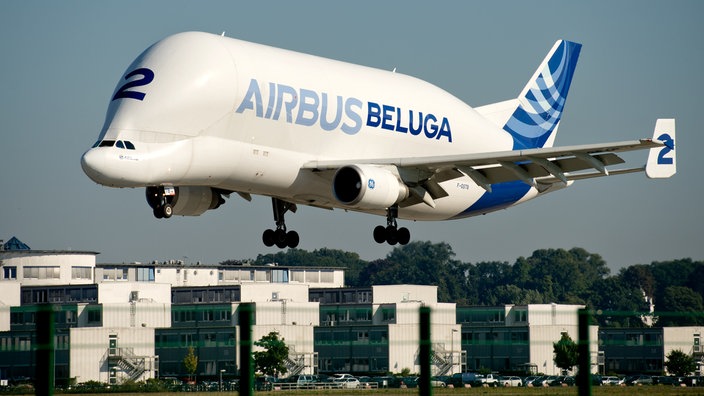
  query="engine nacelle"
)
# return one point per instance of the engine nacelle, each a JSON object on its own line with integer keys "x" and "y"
{"x": 185, "y": 200}
{"x": 368, "y": 187}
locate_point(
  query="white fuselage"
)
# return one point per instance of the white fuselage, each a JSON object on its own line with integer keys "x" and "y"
{"x": 206, "y": 110}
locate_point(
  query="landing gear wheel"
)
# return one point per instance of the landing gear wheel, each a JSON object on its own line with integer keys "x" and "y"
{"x": 391, "y": 234}
{"x": 403, "y": 235}
{"x": 158, "y": 213}
{"x": 280, "y": 237}
{"x": 268, "y": 237}
{"x": 391, "y": 237}
{"x": 379, "y": 234}
{"x": 168, "y": 211}
{"x": 292, "y": 239}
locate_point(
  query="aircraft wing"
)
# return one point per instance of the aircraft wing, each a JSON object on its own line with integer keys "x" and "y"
{"x": 540, "y": 165}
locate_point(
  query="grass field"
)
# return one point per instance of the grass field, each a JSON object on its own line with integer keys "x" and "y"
{"x": 596, "y": 391}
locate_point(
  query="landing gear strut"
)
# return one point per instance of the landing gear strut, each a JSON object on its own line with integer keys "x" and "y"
{"x": 280, "y": 237}
{"x": 160, "y": 201}
{"x": 391, "y": 233}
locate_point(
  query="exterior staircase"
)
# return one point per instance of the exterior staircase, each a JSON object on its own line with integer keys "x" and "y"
{"x": 131, "y": 365}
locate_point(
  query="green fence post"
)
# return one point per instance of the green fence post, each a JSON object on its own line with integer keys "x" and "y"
{"x": 584, "y": 376}
{"x": 425, "y": 351}
{"x": 44, "y": 368}
{"x": 246, "y": 314}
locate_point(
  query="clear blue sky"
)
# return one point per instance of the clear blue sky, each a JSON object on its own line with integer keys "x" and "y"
{"x": 60, "y": 61}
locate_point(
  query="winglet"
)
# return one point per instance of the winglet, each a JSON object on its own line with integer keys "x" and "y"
{"x": 662, "y": 161}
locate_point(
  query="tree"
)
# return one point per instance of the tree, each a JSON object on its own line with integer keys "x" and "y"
{"x": 191, "y": 362}
{"x": 683, "y": 305}
{"x": 679, "y": 363}
{"x": 565, "y": 352}
{"x": 271, "y": 360}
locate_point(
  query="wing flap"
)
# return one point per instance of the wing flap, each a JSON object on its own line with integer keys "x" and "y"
{"x": 539, "y": 165}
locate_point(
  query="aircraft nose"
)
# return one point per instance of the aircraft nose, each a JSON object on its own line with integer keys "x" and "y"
{"x": 92, "y": 162}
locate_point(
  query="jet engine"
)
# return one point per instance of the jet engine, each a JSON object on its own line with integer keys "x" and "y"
{"x": 368, "y": 187}
{"x": 183, "y": 201}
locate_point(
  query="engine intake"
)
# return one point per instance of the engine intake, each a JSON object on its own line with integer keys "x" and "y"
{"x": 368, "y": 187}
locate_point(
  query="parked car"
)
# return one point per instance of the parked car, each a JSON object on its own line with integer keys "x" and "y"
{"x": 639, "y": 380}
{"x": 528, "y": 380}
{"x": 542, "y": 380}
{"x": 459, "y": 380}
{"x": 486, "y": 380}
{"x": 670, "y": 380}
{"x": 510, "y": 381}
{"x": 440, "y": 381}
{"x": 347, "y": 382}
{"x": 611, "y": 380}
{"x": 562, "y": 380}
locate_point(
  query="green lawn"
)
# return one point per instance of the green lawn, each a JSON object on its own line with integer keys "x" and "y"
{"x": 596, "y": 391}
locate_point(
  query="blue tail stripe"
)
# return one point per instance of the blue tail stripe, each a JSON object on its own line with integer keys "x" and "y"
{"x": 540, "y": 111}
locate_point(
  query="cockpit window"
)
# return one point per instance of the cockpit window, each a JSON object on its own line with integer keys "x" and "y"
{"x": 122, "y": 144}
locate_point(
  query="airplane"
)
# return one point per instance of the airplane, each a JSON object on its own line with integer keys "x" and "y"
{"x": 199, "y": 116}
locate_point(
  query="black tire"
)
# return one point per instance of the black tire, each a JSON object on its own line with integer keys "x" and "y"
{"x": 168, "y": 211}
{"x": 280, "y": 238}
{"x": 292, "y": 239}
{"x": 403, "y": 235}
{"x": 158, "y": 213}
{"x": 268, "y": 237}
{"x": 391, "y": 235}
{"x": 380, "y": 234}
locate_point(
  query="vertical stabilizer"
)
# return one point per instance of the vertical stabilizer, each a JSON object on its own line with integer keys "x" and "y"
{"x": 662, "y": 162}
{"x": 535, "y": 120}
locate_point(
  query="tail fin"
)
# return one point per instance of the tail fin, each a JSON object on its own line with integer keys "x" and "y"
{"x": 535, "y": 119}
{"x": 662, "y": 162}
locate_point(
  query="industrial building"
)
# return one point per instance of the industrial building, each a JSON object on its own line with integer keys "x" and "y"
{"x": 135, "y": 321}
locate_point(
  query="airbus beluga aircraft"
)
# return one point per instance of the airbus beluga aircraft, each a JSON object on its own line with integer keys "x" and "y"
{"x": 197, "y": 117}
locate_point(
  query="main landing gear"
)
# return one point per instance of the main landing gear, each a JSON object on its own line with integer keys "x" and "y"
{"x": 280, "y": 237}
{"x": 391, "y": 233}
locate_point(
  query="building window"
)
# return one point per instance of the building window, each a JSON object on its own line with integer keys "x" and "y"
{"x": 279, "y": 276}
{"x": 94, "y": 315}
{"x": 145, "y": 274}
{"x": 81, "y": 273}
{"x": 388, "y": 314}
{"x": 41, "y": 272}
{"x": 115, "y": 274}
{"x": 327, "y": 276}
{"x": 9, "y": 273}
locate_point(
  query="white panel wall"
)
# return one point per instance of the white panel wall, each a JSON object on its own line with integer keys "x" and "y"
{"x": 681, "y": 338}
{"x": 89, "y": 347}
{"x": 552, "y": 314}
{"x": 63, "y": 260}
{"x": 398, "y": 293}
{"x": 262, "y": 292}
{"x": 187, "y": 276}
{"x": 120, "y": 292}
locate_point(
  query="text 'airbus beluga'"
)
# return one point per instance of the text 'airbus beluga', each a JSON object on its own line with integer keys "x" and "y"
{"x": 198, "y": 116}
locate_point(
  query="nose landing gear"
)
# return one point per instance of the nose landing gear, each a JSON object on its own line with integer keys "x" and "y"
{"x": 159, "y": 199}
{"x": 280, "y": 237}
{"x": 391, "y": 233}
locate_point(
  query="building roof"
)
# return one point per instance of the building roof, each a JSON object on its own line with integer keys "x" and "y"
{"x": 15, "y": 244}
